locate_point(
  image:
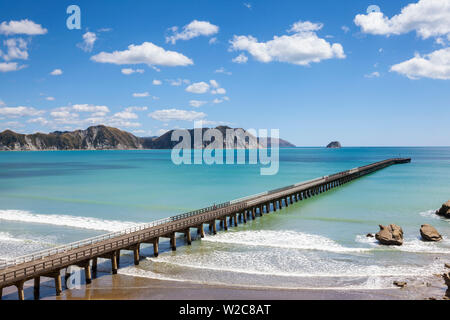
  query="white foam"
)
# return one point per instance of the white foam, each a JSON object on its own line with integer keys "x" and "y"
{"x": 413, "y": 245}
{"x": 65, "y": 220}
{"x": 282, "y": 239}
{"x": 430, "y": 214}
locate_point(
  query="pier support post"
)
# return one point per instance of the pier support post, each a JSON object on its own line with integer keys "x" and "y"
{"x": 58, "y": 284}
{"x": 94, "y": 267}
{"x": 286, "y": 201}
{"x": 20, "y": 292}
{"x": 156, "y": 247}
{"x": 235, "y": 220}
{"x": 201, "y": 231}
{"x": 275, "y": 205}
{"x": 136, "y": 251}
{"x": 213, "y": 227}
{"x": 245, "y": 215}
{"x": 225, "y": 224}
{"x": 114, "y": 263}
{"x": 173, "y": 242}
{"x": 187, "y": 233}
{"x": 87, "y": 273}
{"x": 1, "y": 293}
{"x": 36, "y": 288}
{"x": 118, "y": 258}
{"x": 254, "y": 212}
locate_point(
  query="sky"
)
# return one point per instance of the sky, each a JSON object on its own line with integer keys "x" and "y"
{"x": 366, "y": 73}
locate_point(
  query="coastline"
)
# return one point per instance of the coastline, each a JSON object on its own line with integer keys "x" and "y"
{"x": 124, "y": 287}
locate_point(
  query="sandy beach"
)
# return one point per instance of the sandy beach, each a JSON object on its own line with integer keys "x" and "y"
{"x": 122, "y": 287}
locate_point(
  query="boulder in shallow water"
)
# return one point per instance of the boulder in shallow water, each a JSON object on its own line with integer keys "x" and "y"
{"x": 369, "y": 235}
{"x": 391, "y": 235}
{"x": 444, "y": 211}
{"x": 429, "y": 233}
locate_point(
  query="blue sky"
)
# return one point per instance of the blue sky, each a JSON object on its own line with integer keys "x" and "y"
{"x": 335, "y": 72}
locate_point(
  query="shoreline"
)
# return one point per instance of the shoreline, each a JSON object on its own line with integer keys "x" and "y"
{"x": 124, "y": 287}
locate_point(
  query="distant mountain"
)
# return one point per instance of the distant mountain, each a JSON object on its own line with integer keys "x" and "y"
{"x": 108, "y": 138}
{"x": 281, "y": 143}
{"x": 334, "y": 145}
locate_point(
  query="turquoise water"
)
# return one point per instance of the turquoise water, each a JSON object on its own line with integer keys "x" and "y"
{"x": 51, "y": 198}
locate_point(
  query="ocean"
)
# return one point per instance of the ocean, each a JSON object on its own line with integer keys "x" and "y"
{"x": 52, "y": 198}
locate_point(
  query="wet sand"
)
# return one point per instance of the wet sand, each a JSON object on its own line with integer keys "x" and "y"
{"x": 122, "y": 287}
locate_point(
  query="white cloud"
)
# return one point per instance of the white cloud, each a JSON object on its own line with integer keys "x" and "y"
{"x": 25, "y": 26}
{"x": 21, "y": 111}
{"x": 212, "y": 40}
{"x": 89, "y": 39}
{"x": 222, "y": 70}
{"x": 129, "y": 109}
{"x": 345, "y": 29}
{"x": 141, "y": 94}
{"x": 56, "y": 72}
{"x": 50, "y": 98}
{"x": 248, "y": 5}
{"x": 217, "y": 100}
{"x": 374, "y": 74}
{"x": 198, "y": 87}
{"x": 129, "y": 71}
{"x": 197, "y": 103}
{"x": 125, "y": 115}
{"x": 40, "y": 120}
{"x": 89, "y": 108}
{"x": 17, "y": 49}
{"x": 178, "y": 82}
{"x": 428, "y": 18}
{"x": 301, "y": 48}
{"x": 192, "y": 30}
{"x": 305, "y": 26}
{"x": 157, "y": 82}
{"x": 10, "y": 66}
{"x": 146, "y": 53}
{"x": 63, "y": 114}
{"x": 162, "y": 131}
{"x": 176, "y": 114}
{"x": 242, "y": 58}
{"x": 219, "y": 91}
{"x": 435, "y": 65}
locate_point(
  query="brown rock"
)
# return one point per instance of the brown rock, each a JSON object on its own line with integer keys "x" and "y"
{"x": 390, "y": 235}
{"x": 447, "y": 265}
{"x": 429, "y": 233}
{"x": 400, "y": 284}
{"x": 444, "y": 211}
{"x": 446, "y": 277}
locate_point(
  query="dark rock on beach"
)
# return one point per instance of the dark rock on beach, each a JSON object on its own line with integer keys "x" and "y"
{"x": 334, "y": 145}
{"x": 429, "y": 233}
{"x": 390, "y": 235}
{"x": 444, "y": 211}
{"x": 400, "y": 284}
{"x": 369, "y": 235}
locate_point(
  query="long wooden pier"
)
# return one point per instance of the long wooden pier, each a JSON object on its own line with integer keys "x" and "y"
{"x": 85, "y": 253}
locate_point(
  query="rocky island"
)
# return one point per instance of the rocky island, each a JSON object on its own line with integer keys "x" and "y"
{"x": 334, "y": 145}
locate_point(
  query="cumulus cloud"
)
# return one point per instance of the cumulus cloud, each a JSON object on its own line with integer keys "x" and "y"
{"x": 56, "y": 72}
{"x": 242, "y": 58}
{"x": 16, "y": 49}
{"x": 146, "y": 53}
{"x": 21, "y": 111}
{"x": 428, "y": 18}
{"x": 10, "y": 66}
{"x": 178, "y": 82}
{"x": 435, "y": 65}
{"x": 192, "y": 30}
{"x": 166, "y": 115}
{"x": 301, "y": 48}
{"x": 198, "y": 87}
{"x": 89, "y": 39}
{"x": 50, "y": 98}
{"x": 141, "y": 94}
{"x": 89, "y": 108}
{"x": 129, "y": 71}
{"x": 24, "y": 26}
{"x": 157, "y": 82}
